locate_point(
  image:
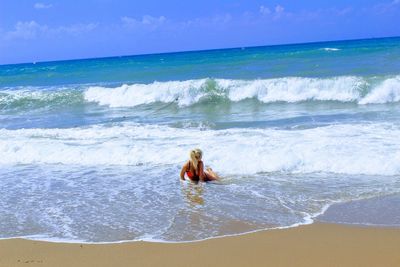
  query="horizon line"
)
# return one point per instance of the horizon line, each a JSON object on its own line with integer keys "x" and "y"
{"x": 194, "y": 51}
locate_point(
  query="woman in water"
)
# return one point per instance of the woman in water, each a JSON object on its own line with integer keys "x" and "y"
{"x": 194, "y": 168}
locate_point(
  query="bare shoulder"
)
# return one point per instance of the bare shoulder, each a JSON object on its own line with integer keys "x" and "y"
{"x": 186, "y": 165}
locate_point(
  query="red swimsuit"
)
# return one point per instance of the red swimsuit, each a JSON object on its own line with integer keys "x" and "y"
{"x": 192, "y": 176}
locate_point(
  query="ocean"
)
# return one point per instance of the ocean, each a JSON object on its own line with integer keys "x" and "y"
{"x": 91, "y": 150}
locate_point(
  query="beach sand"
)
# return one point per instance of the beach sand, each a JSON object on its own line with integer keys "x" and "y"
{"x": 319, "y": 244}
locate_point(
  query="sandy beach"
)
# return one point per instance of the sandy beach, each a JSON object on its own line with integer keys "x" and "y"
{"x": 318, "y": 244}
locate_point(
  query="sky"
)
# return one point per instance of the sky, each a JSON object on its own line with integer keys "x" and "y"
{"x": 34, "y": 31}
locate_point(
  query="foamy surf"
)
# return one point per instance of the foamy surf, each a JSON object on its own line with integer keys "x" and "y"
{"x": 371, "y": 149}
{"x": 110, "y": 204}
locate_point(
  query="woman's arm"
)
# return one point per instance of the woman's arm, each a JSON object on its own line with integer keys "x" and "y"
{"x": 184, "y": 168}
{"x": 202, "y": 175}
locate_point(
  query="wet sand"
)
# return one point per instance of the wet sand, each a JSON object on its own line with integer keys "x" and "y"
{"x": 377, "y": 211}
{"x": 319, "y": 244}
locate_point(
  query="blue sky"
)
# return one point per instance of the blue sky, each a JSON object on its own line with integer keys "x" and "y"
{"x": 33, "y": 31}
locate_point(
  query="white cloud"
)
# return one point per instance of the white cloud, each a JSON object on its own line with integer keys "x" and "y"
{"x": 386, "y": 7}
{"x": 31, "y": 29}
{"x": 265, "y": 10}
{"x": 275, "y": 13}
{"x": 128, "y": 21}
{"x": 74, "y": 29}
{"x": 220, "y": 21}
{"x": 42, "y": 6}
{"x": 279, "y": 9}
{"x": 146, "y": 20}
{"x": 149, "y": 20}
{"x": 151, "y": 23}
{"x": 25, "y": 30}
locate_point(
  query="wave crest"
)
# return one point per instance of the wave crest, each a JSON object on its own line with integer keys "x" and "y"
{"x": 386, "y": 92}
{"x": 290, "y": 90}
{"x": 185, "y": 93}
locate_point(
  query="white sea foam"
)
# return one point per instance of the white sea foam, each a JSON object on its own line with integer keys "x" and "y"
{"x": 386, "y": 92}
{"x": 330, "y": 49}
{"x": 295, "y": 89}
{"x": 349, "y": 149}
{"x": 289, "y": 89}
{"x": 188, "y": 92}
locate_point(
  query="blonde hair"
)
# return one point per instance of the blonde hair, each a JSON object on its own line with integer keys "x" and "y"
{"x": 192, "y": 157}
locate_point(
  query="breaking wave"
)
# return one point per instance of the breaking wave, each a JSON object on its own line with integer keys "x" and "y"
{"x": 290, "y": 90}
{"x": 185, "y": 93}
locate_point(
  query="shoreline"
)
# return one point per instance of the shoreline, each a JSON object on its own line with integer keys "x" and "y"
{"x": 322, "y": 242}
{"x": 341, "y": 213}
{"x": 317, "y": 244}
{"x": 156, "y": 241}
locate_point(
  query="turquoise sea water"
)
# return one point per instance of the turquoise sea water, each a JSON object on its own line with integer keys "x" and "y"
{"x": 90, "y": 150}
